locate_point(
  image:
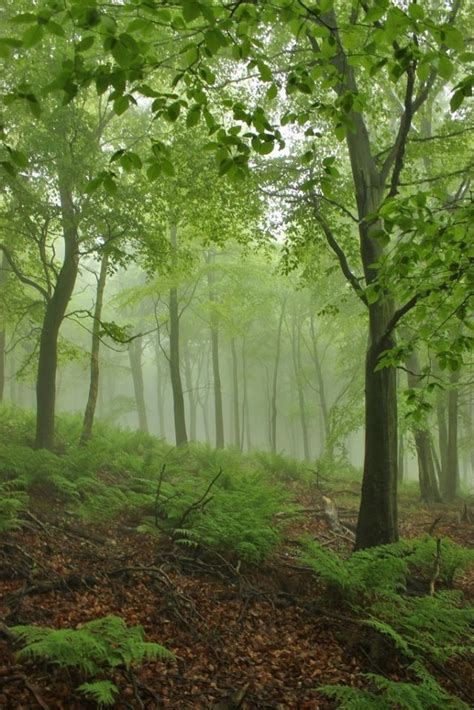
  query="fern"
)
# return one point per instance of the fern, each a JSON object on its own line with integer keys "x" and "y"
{"x": 98, "y": 645}
{"x": 103, "y": 692}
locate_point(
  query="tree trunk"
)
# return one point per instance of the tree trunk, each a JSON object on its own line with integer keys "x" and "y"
{"x": 219, "y": 417}
{"x": 235, "y": 402}
{"x": 95, "y": 348}
{"x": 452, "y": 461}
{"x": 135, "y": 351}
{"x": 296, "y": 353}
{"x": 426, "y": 468}
{"x": 160, "y": 390}
{"x": 320, "y": 380}
{"x": 191, "y": 395}
{"x": 245, "y": 403}
{"x": 441, "y": 411}
{"x": 3, "y": 281}
{"x": 273, "y": 401}
{"x": 401, "y": 457}
{"x": 53, "y": 317}
{"x": 175, "y": 365}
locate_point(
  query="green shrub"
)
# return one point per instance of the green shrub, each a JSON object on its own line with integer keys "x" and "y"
{"x": 98, "y": 645}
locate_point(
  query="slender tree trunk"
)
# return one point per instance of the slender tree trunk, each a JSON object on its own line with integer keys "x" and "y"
{"x": 401, "y": 457}
{"x": 95, "y": 349}
{"x": 320, "y": 379}
{"x": 245, "y": 403}
{"x": 235, "y": 402}
{"x": 426, "y": 469}
{"x": 191, "y": 395}
{"x": 441, "y": 412}
{"x": 273, "y": 401}
{"x": 3, "y": 281}
{"x": 53, "y": 317}
{"x": 452, "y": 470}
{"x": 296, "y": 353}
{"x": 174, "y": 359}
{"x": 135, "y": 350}
{"x": 160, "y": 390}
{"x": 218, "y": 413}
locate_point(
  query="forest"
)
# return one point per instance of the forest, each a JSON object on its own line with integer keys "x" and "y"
{"x": 236, "y": 372}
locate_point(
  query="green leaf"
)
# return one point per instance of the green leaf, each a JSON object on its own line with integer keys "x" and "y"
{"x": 168, "y": 167}
{"x": 121, "y": 105}
{"x": 24, "y": 18}
{"x": 191, "y": 10}
{"x": 32, "y": 36}
{"x": 18, "y": 157}
{"x": 110, "y": 185}
{"x": 272, "y": 91}
{"x": 264, "y": 71}
{"x": 445, "y": 66}
{"x": 456, "y": 100}
{"x": 153, "y": 172}
{"x": 173, "y": 111}
{"x": 85, "y": 43}
{"x": 194, "y": 114}
{"x": 215, "y": 39}
{"x": 93, "y": 185}
{"x": 416, "y": 11}
{"x": 453, "y": 38}
{"x": 55, "y": 29}
{"x": 340, "y": 131}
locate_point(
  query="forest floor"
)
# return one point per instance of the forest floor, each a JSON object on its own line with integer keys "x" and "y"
{"x": 252, "y": 637}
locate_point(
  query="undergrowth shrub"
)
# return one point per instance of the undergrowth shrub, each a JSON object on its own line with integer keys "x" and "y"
{"x": 424, "y": 628}
{"x": 98, "y": 646}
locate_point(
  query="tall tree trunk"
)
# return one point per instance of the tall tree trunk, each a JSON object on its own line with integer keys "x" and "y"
{"x": 235, "y": 399}
{"x": 135, "y": 351}
{"x": 191, "y": 394}
{"x": 95, "y": 349}
{"x": 53, "y": 317}
{"x": 3, "y": 281}
{"x": 219, "y": 417}
{"x": 401, "y": 457}
{"x": 441, "y": 415}
{"x": 320, "y": 380}
{"x": 174, "y": 360}
{"x": 160, "y": 390}
{"x": 426, "y": 468}
{"x": 273, "y": 401}
{"x": 296, "y": 353}
{"x": 452, "y": 459}
{"x": 245, "y": 403}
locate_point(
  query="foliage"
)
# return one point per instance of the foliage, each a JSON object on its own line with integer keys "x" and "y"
{"x": 373, "y": 583}
{"x": 427, "y": 694}
{"x": 95, "y": 647}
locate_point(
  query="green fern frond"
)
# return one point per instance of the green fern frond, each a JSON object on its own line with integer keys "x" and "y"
{"x": 103, "y": 692}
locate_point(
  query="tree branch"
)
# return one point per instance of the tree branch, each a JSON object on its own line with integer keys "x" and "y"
{"x": 24, "y": 279}
{"x": 339, "y": 252}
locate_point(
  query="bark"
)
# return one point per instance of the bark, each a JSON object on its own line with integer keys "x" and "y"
{"x": 53, "y": 317}
{"x": 320, "y": 380}
{"x": 245, "y": 403}
{"x": 296, "y": 353}
{"x": 218, "y": 413}
{"x": 174, "y": 356}
{"x": 429, "y": 490}
{"x": 441, "y": 414}
{"x": 160, "y": 390}
{"x": 191, "y": 395}
{"x": 135, "y": 351}
{"x": 95, "y": 350}
{"x": 3, "y": 279}
{"x": 401, "y": 457}
{"x": 235, "y": 399}
{"x": 452, "y": 460}
{"x": 273, "y": 401}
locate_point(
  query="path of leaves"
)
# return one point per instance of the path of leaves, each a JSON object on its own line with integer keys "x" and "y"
{"x": 261, "y": 631}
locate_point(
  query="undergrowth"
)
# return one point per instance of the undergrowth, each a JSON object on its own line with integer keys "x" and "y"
{"x": 425, "y": 628}
{"x": 93, "y": 649}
